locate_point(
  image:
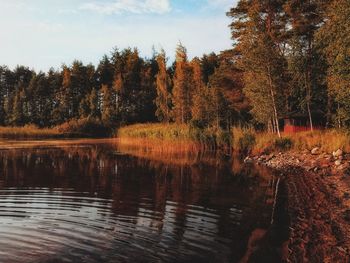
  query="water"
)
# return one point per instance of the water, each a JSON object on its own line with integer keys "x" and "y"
{"x": 99, "y": 201}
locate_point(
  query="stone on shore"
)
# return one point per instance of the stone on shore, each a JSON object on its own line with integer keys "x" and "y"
{"x": 248, "y": 160}
{"x": 338, "y": 163}
{"x": 338, "y": 153}
{"x": 315, "y": 151}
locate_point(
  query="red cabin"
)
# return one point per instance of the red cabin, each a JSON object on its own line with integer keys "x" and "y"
{"x": 296, "y": 122}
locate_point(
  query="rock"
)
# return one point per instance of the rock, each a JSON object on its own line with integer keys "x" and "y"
{"x": 338, "y": 153}
{"x": 343, "y": 166}
{"x": 347, "y": 195}
{"x": 248, "y": 160}
{"x": 347, "y": 215}
{"x": 262, "y": 158}
{"x": 269, "y": 157}
{"x": 325, "y": 165}
{"x": 337, "y": 163}
{"x": 315, "y": 151}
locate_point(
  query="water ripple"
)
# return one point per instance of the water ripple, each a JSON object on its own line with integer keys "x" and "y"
{"x": 68, "y": 225}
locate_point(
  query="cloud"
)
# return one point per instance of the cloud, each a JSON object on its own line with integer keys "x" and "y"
{"x": 129, "y": 6}
{"x": 225, "y": 4}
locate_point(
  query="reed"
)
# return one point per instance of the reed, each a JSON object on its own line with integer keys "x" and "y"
{"x": 29, "y": 131}
{"x": 210, "y": 137}
{"x": 155, "y": 131}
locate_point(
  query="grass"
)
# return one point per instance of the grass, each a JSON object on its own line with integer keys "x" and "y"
{"x": 248, "y": 140}
{"x": 243, "y": 140}
{"x": 75, "y": 128}
{"x": 164, "y": 138}
{"x": 156, "y": 131}
{"x": 176, "y": 132}
{"x": 29, "y": 131}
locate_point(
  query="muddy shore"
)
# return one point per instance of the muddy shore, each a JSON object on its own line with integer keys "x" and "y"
{"x": 318, "y": 203}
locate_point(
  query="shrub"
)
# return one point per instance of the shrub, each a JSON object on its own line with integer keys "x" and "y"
{"x": 86, "y": 127}
{"x": 29, "y": 131}
{"x": 224, "y": 138}
{"x": 247, "y": 142}
{"x": 283, "y": 144}
{"x": 243, "y": 139}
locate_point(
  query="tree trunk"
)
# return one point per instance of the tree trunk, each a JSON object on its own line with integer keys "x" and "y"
{"x": 308, "y": 84}
{"x": 339, "y": 118}
{"x": 310, "y": 116}
{"x": 273, "y": 103}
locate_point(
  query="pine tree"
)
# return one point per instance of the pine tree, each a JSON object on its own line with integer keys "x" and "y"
{"x": 334, "y": 40}
{"x": 305, "y": 17}
{"x": 228, "y": 79}
{"x": 66, "y": 95}
{"x": 201, "y": 95}
{"x": 163, "y": 100}
{"x": 108, "y": 112}
{"x": 17, "y": 113}
{"x": 258, "y": 28}
{"x": 182, "y": 93}
{"x": 93, "y": 104}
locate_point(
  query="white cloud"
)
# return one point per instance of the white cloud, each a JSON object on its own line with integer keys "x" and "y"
{"x": 129, "y": 6}
{"x": 225, "y": 4}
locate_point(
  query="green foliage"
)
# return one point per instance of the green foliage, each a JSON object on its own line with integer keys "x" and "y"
{"x": 333, "y": 40}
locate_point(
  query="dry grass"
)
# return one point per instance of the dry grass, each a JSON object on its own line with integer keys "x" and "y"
{"x": 156, "y": 131}
{"x": 208, "y": 137}
{"x": 327, "y": 141}
{"x": 29, "y": 131}
{"x": 259, "y": 142}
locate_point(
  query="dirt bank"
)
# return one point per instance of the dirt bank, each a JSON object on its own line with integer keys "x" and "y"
{"x": 318, "y": 190}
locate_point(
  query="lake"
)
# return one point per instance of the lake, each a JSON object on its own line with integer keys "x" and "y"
{"x": 104, "y": 201}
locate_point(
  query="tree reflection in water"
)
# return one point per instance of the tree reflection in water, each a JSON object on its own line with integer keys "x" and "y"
{"x": 153, "y": 205}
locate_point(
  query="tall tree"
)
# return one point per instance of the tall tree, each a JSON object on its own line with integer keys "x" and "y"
{"x": 228, "y": 79}
{"x": 201, "y": 94}
{"x": 182, "y": 92}
{"x": 305, "y": 18}
{"x": 17, "y": 113}
{"x": 258, "y": 29}
{"x": 334, "y": 39}
{"x": 108, "y": 112}
{"x": 163, "y": 100}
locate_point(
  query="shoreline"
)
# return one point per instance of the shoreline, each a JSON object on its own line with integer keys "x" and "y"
{"x": 317, "y": 192}
{"x": 318, "y": 203}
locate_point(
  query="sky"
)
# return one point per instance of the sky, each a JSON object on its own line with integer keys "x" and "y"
{"x": 47, "y": 33}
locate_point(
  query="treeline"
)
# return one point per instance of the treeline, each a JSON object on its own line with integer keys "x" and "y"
{"x": 295, "y": 58}
{"x": 124, "y": 89}
{"x": 288, "y": 56}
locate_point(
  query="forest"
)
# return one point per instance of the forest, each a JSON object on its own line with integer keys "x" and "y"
{"x": 288, "y": 56}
